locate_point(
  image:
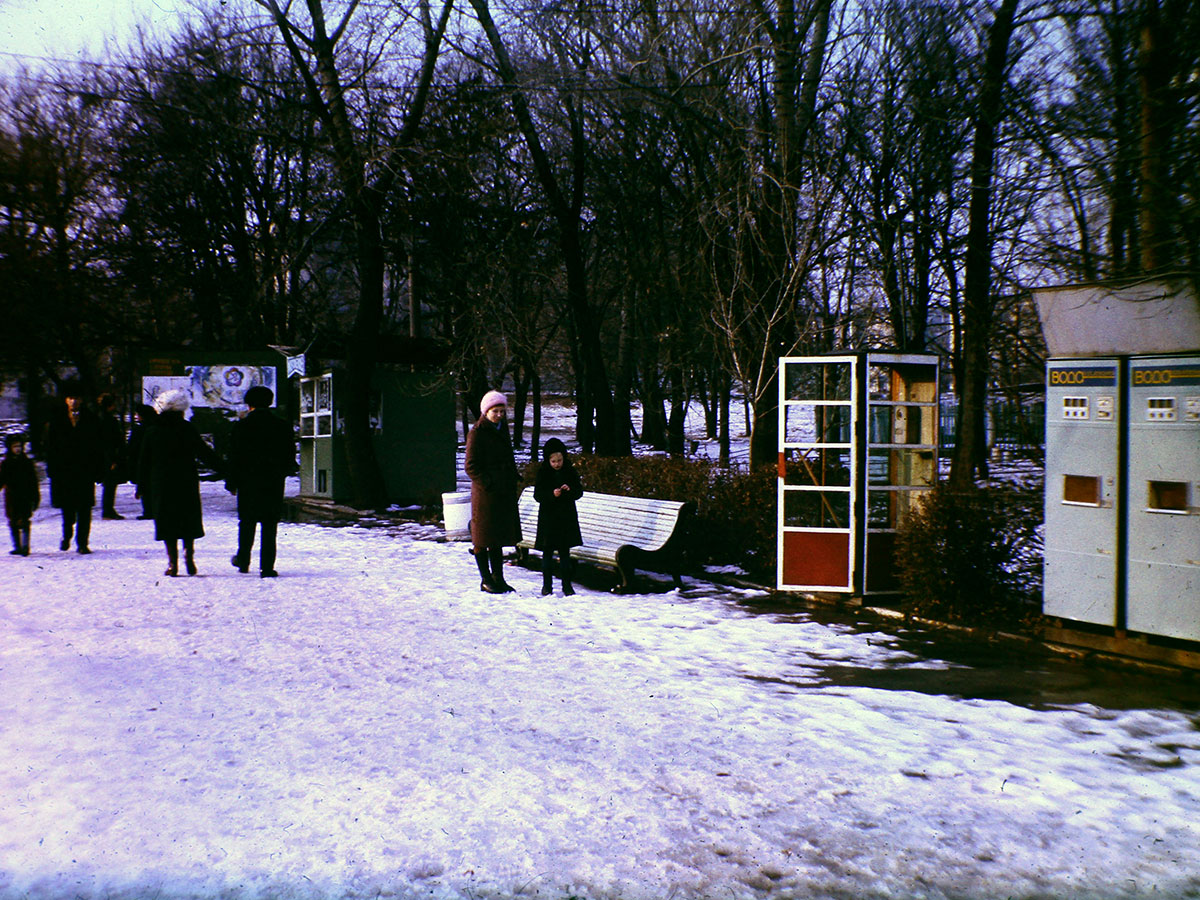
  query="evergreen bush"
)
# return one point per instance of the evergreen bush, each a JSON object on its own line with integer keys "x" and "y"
{"x": 973, "y": 557}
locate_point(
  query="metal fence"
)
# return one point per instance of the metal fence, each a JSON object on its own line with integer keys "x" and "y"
{"x": 1011, "y": 424}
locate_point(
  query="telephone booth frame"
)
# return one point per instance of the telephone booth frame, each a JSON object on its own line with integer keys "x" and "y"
{"x": 858, "y": 446}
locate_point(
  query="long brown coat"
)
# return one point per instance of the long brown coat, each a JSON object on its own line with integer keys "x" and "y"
{"x": 492, "y": 469}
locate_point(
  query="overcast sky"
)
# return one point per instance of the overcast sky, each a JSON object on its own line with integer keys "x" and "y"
{"x": 36, "y": 30}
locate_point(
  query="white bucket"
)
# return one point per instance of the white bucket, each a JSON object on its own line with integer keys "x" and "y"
{"x": 456, "y": 511}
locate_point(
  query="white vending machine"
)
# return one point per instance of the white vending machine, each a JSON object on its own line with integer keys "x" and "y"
{"x": 1163, "y": 581}
{"x": 1082, "y": 503}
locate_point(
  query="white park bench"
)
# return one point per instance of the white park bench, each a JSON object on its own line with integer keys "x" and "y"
{"x": 623, "y": 533}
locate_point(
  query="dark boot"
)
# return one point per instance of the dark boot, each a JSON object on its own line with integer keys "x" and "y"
{"x": 68, "y": 531}
{"x": 15, "y": 530}
{"x": 25, "y": 539}
{"x": 486, "y": 585}
{"x": 568, "y": 588}
{"x": 266, "y": 557}
{"x": 496, "y": 555}
{"x": 83, "y": 530}
{"x": 189, "y": 557}
{"x": 547, "y": 572}
{"x": 172, "y": 559}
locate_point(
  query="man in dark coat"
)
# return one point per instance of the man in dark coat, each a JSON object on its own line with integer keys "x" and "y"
{"x": 75, "y": 463}
{"x": 495, "y": 522}
{"x": 262, "y": 454}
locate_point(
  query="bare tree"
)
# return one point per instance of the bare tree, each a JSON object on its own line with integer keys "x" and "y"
{"x": 566, "y": 203}
{"x": 970, "y": 452}
{"x": 366, "y": 182}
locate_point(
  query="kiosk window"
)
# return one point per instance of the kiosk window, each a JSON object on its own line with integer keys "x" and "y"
{"x": 1083, "y": 489}
{"x": 1075, "y": 407}
{"x": 1169, "y": 496}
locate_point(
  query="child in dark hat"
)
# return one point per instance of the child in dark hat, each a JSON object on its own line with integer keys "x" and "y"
{"x": 557, "y": 488}
{"x": 19, "y": 479}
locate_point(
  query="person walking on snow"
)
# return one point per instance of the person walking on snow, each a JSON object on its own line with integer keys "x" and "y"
{"x": 557, "y": 488}
{"x": 495, "y": 522}
{"x": 112, "y": 435}
{"x": 143, "y": 420}
{"x": 262, "y": 455}
{"x": 75, "y": 464}
{"x": 18, "y": 478}
{"x": 168, "y": 465}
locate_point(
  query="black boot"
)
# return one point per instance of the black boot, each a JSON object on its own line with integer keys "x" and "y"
{"x": 15, "y": 530}
{"x": 568, "y": 588}
{"x": 547, "y": 572}
{"x": 83, "y": 530}
{"x": 497, "y": 559}
{"x": 172, "y": 559}
{"x": 25, "y": 539}
{"x": 189, "y": 558}
{"x": 487, "y": 584}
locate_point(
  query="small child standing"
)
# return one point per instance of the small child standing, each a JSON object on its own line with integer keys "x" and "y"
{"x": 557, "y": 488}
{"x": 18, "y": 478}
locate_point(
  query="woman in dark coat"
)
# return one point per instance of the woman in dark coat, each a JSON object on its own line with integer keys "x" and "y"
{"x": 495, "y": 522}
{"x": 168, "y": 465}
{"x": 557, "y": 488}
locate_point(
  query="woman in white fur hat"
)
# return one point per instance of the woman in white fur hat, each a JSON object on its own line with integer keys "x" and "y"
{"x": 492, "y": 468}
{"x": 168, "y": 465}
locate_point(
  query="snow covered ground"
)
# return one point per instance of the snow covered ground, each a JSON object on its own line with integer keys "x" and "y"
{"x": 371, "y": 725}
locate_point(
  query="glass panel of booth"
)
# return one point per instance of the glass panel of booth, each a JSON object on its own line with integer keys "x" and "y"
{"x": 816, "y": 508}
{"x": 892, "y": 467}
{"x": 316, "y": 406}
{"x": 902, "y": 423}
{"x": 824, "y": 380}
{"x": 818, "y": 467}
{"x": 886, "y": 509}
{"x": 891, "y": 378}
{"x": 816, "y": 423}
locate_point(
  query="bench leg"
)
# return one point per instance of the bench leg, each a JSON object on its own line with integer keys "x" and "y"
{"x": 625, "y": 570}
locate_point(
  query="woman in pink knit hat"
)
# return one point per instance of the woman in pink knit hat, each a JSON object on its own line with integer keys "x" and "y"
{"x": 492, "y": 468}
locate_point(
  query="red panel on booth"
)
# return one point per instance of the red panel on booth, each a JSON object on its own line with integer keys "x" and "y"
{"x": 816, "y": 559}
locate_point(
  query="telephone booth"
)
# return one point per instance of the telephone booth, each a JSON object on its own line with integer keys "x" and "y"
{"x": 858, "y": 446}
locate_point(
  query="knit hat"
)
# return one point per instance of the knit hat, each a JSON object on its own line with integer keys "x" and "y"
{"x": 258, "y": 396}
{"x": 490, "y": 399}
{"x": 552, "y": 446}
{"x": 175, "y": 400}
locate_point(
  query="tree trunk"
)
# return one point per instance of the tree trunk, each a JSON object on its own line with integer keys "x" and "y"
{"x": 591, "y": 380}
{"x": 970, "y": 454}
{"x": 369, "y": 490}
{"x": 1157, "y": 200}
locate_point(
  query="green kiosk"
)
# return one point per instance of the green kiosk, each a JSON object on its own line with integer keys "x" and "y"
{"x": 413, "y": 425}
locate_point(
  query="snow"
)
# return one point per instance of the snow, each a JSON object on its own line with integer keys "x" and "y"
{"x": 370, "y": 725}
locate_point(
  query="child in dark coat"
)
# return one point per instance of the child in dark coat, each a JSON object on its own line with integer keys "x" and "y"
{"x": 557, "y": 488}
{"x": 19, "y": 479}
